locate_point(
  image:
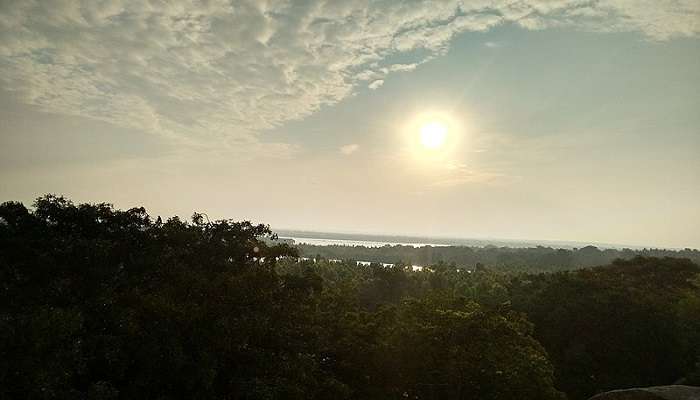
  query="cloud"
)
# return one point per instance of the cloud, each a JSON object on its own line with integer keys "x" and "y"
{"x": 349, "y": 149}
{"x": 376, "y": 84}
{"x": 403, "y": 67}
{"x": 202, "y": 70}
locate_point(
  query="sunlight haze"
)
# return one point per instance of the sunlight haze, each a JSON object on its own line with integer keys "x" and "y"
{"x": 569, "y": 120}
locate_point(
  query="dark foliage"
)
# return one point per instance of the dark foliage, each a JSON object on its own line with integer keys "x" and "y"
{"x": 505, "y": 259}
{"x": 633, "y": 323}
{"x": 99, "y": 303}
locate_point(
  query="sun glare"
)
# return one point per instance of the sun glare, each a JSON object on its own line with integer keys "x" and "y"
{"x": 432, "y": 137}
{"x": 433, "y": 134}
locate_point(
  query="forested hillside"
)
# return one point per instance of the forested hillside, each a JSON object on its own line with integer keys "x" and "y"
{"x": 505, "y": 259}
{"x": 100, "y": 303}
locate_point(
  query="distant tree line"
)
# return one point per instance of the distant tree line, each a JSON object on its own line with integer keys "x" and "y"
{"x": 531, "y": 259}
{"x": 100, "y": 303}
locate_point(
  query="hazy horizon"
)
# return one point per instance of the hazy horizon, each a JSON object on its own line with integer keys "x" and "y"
{"x": 461, "y": 240}
{"x": 553, "y": 121}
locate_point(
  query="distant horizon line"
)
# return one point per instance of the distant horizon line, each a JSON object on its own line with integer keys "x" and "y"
{"x": 461, "y": 241}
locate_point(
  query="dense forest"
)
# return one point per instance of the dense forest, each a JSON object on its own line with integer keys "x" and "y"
{"x": 505, "y": 259}
{"x": 101, "y": 303}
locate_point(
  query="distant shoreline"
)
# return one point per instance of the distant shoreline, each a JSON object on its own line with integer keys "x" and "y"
{"x": 374, "y": 240}
{"x": 351, "y": 242}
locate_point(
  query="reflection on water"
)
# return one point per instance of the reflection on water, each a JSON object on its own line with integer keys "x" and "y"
{"x": 347, "y": 242}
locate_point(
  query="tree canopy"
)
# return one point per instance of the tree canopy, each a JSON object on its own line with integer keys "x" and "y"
{"x": 101, "y": 303}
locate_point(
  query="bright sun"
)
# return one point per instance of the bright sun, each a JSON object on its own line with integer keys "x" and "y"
{"x": 433, "y": 134}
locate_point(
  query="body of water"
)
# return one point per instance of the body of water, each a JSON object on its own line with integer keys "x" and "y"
{"x": 350, "y": 242}
{"x": 370, "y": 240}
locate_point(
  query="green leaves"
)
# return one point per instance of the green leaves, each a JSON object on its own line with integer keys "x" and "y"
{"x": 102, "y": 303}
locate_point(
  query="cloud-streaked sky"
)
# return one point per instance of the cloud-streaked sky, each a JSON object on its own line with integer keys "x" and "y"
{"x": 572, "y": 120}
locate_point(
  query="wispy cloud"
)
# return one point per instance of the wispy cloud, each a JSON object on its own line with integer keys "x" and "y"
{"x": 349, "y": 149}
{"x": 226, "y": 70}
{"x": 403, "y": 67}
{"x": 376, "y": 84}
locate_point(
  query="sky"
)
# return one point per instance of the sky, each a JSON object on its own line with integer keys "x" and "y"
{"x": 563, "y": 119}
